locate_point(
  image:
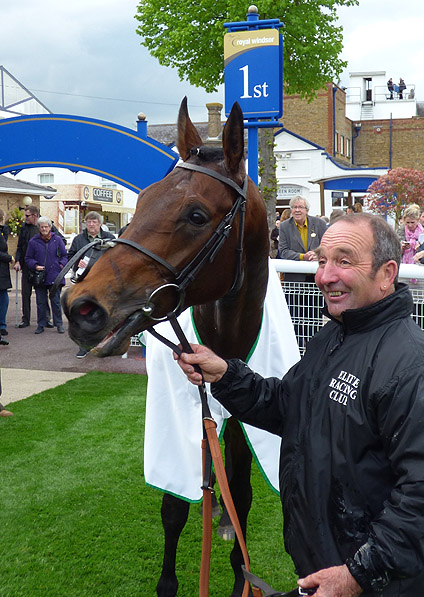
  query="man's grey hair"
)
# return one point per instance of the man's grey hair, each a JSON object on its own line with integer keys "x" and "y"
{"x": 299, "y": 198}
{"x": 94, "y": 215}
{"x": 386, "y": 242}
{"x": 44, "y": 220}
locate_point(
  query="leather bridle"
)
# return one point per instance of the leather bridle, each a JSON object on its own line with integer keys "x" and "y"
{"x": 188, "y": 273}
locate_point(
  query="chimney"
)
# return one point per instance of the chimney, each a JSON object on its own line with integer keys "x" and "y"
{"x": 214, "y": 124}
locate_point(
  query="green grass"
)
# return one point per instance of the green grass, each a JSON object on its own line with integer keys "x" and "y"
{"x": 76, "y": 518}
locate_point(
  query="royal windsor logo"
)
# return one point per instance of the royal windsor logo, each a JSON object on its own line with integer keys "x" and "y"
{"x": 344, "y": 387}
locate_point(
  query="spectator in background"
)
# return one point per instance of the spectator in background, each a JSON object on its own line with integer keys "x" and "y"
{"x": 93, "y": 221}
{"x": 390, "y": 87}
{"x": 358, "y": 207}
{"x": 285, "y": 214}
{"x": 350, "y": 210}
{"x": 402, "y": 88}
{"x": 47, "y": 251}
{"x": 5, "y": 281}
{"x": 409, "y": 232}
{"x": 409, "y": 236}
{"x": 4, "y": 228}
{"x": 299, "y": 237}
{"x": 3, "y": 411}
{"x": 274, "y": 240}
{"x": 335, "y": 214}
{"x": 28, "y": 230}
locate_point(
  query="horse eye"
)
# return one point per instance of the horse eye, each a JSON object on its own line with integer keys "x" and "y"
{"x": 198, "y": 218}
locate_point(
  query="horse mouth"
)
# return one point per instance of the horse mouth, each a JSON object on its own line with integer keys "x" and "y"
{"x": 118, "y": 339}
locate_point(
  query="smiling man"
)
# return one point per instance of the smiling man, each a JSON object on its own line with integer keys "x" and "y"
{"x": 350, "y": 414}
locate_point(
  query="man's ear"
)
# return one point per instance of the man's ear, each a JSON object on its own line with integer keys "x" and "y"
{"x": 388, "y": 273}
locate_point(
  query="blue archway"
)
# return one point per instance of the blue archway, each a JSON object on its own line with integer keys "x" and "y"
{"x": 128, "y": 157}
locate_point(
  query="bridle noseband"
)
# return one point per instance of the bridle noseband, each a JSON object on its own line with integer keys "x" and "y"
{"x": 188, "y": 274}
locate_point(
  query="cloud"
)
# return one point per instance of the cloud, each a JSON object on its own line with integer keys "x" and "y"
{"x": 64, "y": 52}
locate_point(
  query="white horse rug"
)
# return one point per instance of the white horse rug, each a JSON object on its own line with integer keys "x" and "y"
{"x": 172, "y": 450}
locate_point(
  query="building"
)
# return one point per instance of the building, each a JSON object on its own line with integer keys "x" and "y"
{"x": 360, "y": 132}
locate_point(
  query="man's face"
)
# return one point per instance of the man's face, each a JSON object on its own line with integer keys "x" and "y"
{"x": 93, "y": 227}
{"x": 31, "y": 218}
{"x": 344, "y": 273}
{"x": 299, "y": 212}
{"x": 422, "y": 219}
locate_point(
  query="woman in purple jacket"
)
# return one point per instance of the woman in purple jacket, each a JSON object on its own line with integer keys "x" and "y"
{"x": 47, "y": 251}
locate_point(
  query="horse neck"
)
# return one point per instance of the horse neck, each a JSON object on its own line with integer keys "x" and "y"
{"x": 230, "y": 325}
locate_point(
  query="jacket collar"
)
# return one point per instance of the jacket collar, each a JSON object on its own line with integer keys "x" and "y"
{"x": 397, "y": 305}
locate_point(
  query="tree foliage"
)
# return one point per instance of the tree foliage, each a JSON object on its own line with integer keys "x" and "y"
{"x": 188, "y": 35}
{"x": 394, "y": 191}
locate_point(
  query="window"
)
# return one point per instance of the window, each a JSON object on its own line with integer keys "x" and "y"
{"x": 46, "y": 178}
{"x": 337, "y": 141}
{"x": 348, "y": 150}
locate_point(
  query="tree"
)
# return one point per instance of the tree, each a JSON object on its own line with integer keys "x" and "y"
{"x": 188, "y": 35}
{"x": 392, "y": 192}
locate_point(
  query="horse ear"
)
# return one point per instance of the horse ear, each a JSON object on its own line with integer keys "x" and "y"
{"x": 233, "y": 138}
{"x": 188, "y": 137}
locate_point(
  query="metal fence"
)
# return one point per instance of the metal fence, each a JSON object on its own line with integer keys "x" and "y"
{"x": 305, "y": 300}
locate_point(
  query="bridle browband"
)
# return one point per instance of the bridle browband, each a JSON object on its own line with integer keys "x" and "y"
{"x": 207, "y": 253}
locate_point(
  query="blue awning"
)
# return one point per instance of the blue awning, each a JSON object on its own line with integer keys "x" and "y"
{"x": 348, "y": 183}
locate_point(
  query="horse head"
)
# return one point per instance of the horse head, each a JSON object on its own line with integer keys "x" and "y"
{"x": 161, "y": 265}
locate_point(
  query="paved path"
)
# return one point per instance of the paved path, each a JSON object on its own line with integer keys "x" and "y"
{"x": 34, "y": 363}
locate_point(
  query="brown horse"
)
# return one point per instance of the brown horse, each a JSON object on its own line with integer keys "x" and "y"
{"x": 175, "y": 220}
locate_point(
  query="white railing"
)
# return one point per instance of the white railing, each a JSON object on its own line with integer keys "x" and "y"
{"x": 305, "y": 300}
{"x": 310, "y": 267}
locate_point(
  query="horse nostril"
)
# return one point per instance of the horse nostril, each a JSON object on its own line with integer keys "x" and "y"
{"x": 85, "y": 309}
{"x": 87, "y": 315}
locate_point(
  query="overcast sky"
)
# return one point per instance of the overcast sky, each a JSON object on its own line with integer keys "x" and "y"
{"x": 74, "y": 55}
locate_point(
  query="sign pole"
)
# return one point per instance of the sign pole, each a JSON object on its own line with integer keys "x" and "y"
{"x": 253, "y": 153}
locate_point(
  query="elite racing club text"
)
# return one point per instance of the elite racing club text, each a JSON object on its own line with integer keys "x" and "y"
{"x": 344, "y": 387}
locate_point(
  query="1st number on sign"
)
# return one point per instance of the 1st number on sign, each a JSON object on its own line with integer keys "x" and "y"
{"x": 260, "y": 90}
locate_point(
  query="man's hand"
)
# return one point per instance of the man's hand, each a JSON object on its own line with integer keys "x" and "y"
{"x": 17, "y": 267}
{"x": 310, "y": 256}
{"x": 212, "y": 366}
{"x": 332, "y": 582}
{"x": 418, "y": 256}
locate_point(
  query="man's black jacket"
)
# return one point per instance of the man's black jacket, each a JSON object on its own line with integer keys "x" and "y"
{"x": 351, "y": 418}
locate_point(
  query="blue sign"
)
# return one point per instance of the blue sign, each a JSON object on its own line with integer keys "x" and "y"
{"x": 253, "y": 71}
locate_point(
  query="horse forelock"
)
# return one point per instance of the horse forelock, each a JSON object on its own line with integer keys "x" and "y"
{"x": 207, "y": 153}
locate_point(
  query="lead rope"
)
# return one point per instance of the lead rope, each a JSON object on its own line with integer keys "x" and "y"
{"x": 210, "y": 452}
